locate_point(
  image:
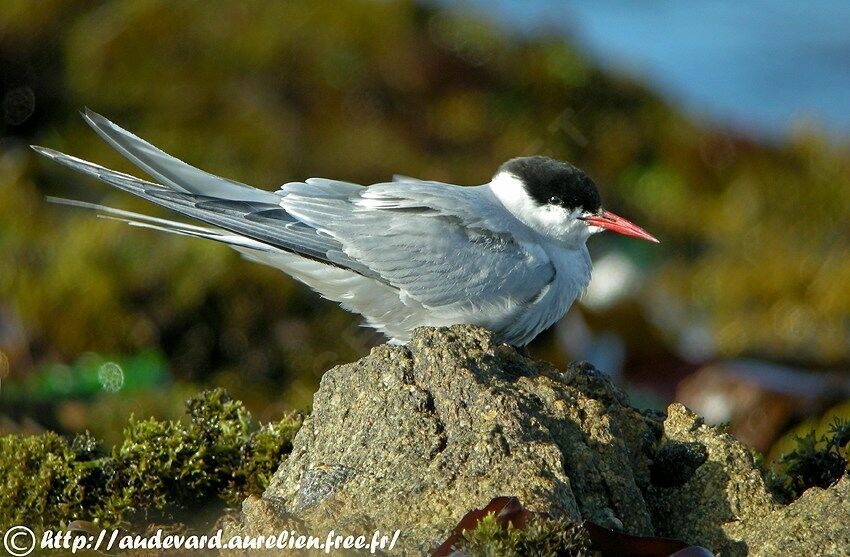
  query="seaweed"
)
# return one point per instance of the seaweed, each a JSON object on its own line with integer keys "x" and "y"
{"x": 814, "y": 461}
{"x": 506, "y": 528}
{"x": 541, "y": 536}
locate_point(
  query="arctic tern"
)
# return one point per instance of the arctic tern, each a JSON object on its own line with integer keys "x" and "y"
{"x": 509, "y": 255}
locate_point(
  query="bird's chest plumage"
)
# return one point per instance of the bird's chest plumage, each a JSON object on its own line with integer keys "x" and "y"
{"x": 572, "y": 273}
{"x": 571, "y": 277}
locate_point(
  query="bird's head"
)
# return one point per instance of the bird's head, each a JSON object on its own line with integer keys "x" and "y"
{"x": 557, "y": 199}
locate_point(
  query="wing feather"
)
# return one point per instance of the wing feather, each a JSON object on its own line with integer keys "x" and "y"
{"x": 458, "y": 253}
{"x": 170, "y": 171}
{"x": 279, "y": 230}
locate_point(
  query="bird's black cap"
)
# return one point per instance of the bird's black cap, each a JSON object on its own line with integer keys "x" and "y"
{"x": 551, "y": 182}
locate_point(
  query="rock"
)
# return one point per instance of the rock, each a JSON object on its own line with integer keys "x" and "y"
{"x": 703, "y": 479}
{"x": 413, "y": 437}
{"x": 814, "y": 524}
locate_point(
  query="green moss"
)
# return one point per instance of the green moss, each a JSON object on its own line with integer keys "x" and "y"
{"x": 814, "y": 462}
{"x": 44, "y": 476}
{"x": 263, "y": 455}
{"x": 161, "y": 468}
{"x": 540, "y": 537}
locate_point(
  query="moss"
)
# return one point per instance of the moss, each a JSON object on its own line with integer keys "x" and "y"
{"x": 814, "y": 462}
{"x": 263, "y": 455}
{"x": 540, "y": 537}
{"x": 161, "y": 468}
{"x": 45, "y": 476}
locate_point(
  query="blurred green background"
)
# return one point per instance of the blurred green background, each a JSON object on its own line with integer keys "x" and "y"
{"x": 743, "y": 311}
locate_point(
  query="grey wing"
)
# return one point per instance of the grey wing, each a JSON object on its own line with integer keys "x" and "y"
{"x": 442, "y": 246}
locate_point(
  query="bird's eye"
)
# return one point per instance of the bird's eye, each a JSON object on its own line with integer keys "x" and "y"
{"x": 555, "y": 200}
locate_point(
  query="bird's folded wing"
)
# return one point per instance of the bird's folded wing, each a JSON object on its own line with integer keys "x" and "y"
{"x": 443, "y": 246}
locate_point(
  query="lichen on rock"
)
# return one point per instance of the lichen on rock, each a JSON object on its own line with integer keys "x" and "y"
{"x": 442, "y": 425}
{"x": 413, "y": 437}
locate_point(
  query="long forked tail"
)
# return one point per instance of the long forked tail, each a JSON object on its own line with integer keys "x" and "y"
{"x": 245, "y": 217}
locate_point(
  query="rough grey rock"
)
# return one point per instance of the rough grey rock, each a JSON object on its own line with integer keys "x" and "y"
{"x": 723, "y": 503}
{"x": 414, "y": 437}
{"x": 701, "y": 480}
{"x": 818, "y": 523}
